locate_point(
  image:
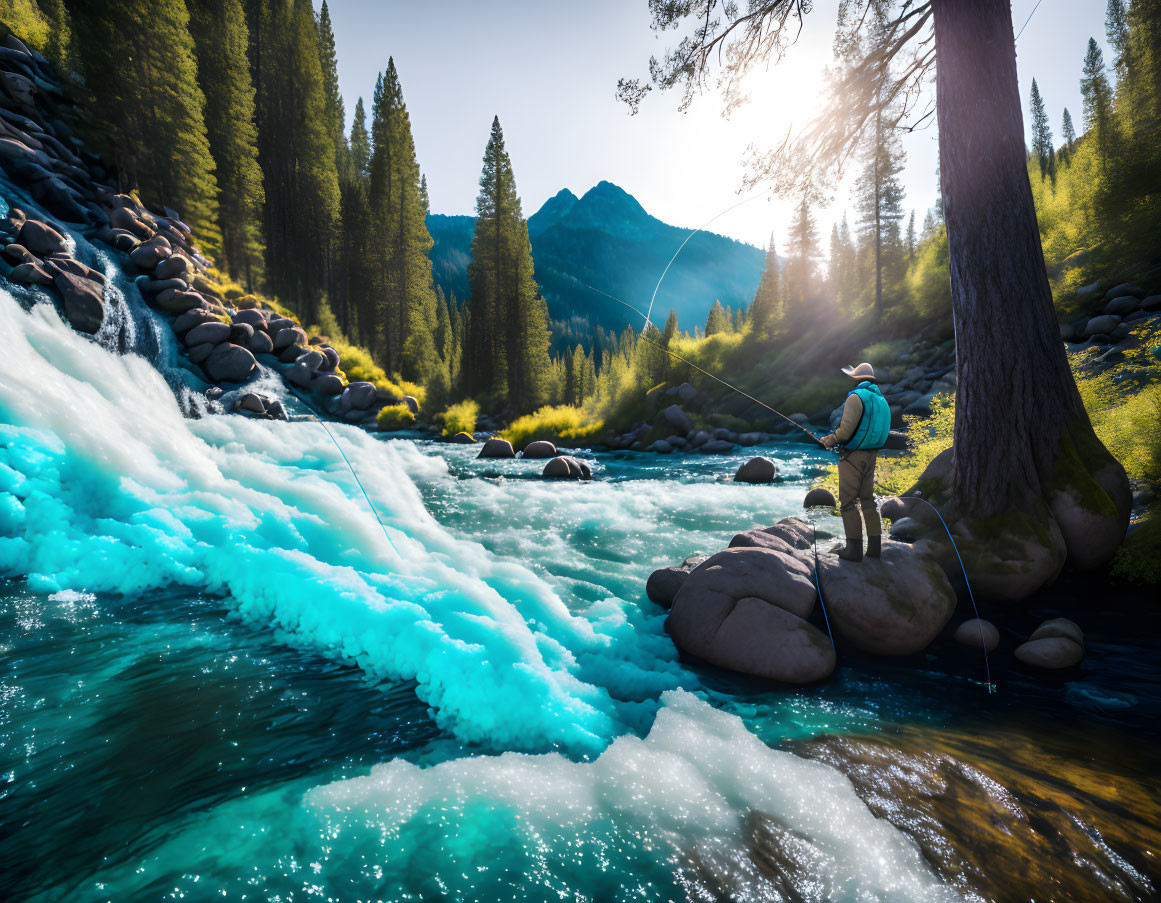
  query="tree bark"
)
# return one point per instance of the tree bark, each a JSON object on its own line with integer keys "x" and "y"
{"x": 1016, "y": 400}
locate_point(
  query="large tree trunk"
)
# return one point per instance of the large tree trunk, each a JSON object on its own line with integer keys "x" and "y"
{"x": 1020, "y": 427}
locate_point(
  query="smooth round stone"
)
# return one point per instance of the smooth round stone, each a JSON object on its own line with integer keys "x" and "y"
{"x": 1050, "y": 653}
{"x": 497, "y": 448}
{"x": 978, "y": 634}
{"x": 540, "y": 449}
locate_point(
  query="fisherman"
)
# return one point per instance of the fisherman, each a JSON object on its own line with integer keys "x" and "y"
{"x": 863, "y": 430}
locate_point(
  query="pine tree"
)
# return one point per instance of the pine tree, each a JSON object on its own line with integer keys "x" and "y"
{"x": 424, "y": 197}
{"x": 1068, "y": 136}
{"x": 911, "y": 241}
{"x": 221, "y": 40}
{"x": 1042, "y": 145}
{"x": 59, "y": 48}
{"x": 879, "y": 200}
{"x": 1117, "y": 31}
{"x": 766, "y": 308}
{"x": 1097, "y": 96}
{"x": 336, "y": 116}
{"x": 506, "y": 353}
{"x": 139, "y": 63}
{"x": 800, "y": 268}
{"x": 360, "y": 142}
{"x": 717, "y": 321}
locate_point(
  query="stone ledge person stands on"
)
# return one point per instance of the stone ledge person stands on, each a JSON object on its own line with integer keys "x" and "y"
{"x": 863, "y": 430}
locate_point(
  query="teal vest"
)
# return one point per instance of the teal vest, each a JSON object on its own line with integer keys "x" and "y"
{"x": 872, "y": 430}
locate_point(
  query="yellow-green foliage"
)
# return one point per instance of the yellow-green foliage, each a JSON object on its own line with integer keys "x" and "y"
{"x": 1127, "y": 419}
{"x": 926, "y": 438}
{"x": 928, "y": 280}
{"x": 1139, "y": 559}
{"x": 459, "y": 418}
{"x": 562, "y": 424}
{"x": 360, "y": 367}
{"x": 1065, "y": 211}
{"x": 395, "y": 417}
{"x": 415, "y": 390}
{"x": 26, "y": 21}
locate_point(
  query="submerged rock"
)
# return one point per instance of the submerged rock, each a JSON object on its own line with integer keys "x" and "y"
{"x": 567, "y": 467}
{"x": 496, "y": 448}
{"x": 84, "y": 301}
{"x": 978, "y": 634}
{"x": 894, "y": 605}
{"x": 757, "y": 470}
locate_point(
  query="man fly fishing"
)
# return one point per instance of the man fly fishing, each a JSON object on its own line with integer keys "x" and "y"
{"x": 863, "y": 430}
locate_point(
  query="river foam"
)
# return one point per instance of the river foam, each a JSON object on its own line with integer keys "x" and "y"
{"x": 105, "y": 486}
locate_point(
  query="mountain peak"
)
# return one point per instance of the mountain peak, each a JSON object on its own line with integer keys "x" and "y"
{"x": 553, "y": 211}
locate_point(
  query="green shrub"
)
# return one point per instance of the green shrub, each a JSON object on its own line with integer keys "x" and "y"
{"x": 395, "y": 417}
{"x": 563, "y": 425}
{"x": 926, "y": 438}
{"x": 359, "y": 366}
{"x": 459, "y": 418}
{"x": 1139, "y": 559}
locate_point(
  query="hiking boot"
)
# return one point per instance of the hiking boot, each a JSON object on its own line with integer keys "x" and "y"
{"x": 874, "y": 546}
{"x": 852, "y": 551}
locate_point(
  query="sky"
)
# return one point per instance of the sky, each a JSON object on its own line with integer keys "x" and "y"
{"x": 549, "y": 70}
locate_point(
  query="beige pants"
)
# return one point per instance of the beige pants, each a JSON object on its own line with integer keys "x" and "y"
{"x": 856, "y": 472}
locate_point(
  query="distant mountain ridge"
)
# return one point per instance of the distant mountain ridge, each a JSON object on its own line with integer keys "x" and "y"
{"x": 607, "y": 240}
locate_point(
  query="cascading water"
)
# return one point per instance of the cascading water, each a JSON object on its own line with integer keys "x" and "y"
{"x": 187, "y": 596}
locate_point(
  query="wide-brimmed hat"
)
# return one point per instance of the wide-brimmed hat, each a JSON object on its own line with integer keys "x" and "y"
{"x": 862, "y": 371}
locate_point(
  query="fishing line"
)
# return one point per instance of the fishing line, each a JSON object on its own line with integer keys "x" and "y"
{"x": 817, "y": 585}
{"x": 683, "y": 244}
{"x": 359, "y": 482}
{"x": 676, "y": 356}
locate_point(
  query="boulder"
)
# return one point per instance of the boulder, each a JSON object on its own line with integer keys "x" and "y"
{"x": 325, "y": 384}
{"x": 1050, "y": 653}
{"x": 30, "y": 274}
{"x": 1059, "y": 627}
{"x": 241, "y": 333}
{"x": 332, "y": 357}
{"x": 169, "y": 267}
{"x": 198, "y": 353}
{"x": 773, "y": 576}
{"x": 761, "y": 539}
{"x": 660, "y": 446}
{"x": 497, "y": 448}
{"x": 896, "y": 441}
{"x": 568, "y": 468}
{"x": 260, "y": 343}
{"x": 749, "y": 439}
{"x": 819, "y": 498}
{"x": 663, "y": 585}
{"x": 685, "y": 393}
{"x": 1125, "y": 304}
{"x": 149, "y": 255}
{"x": 299, "y": 375}
{"x": 124, "y": 218}
{"x": 20, "y": 254}
{"x": 978, "y": 634}
{"x": 251, "y": 316}
{"x": 757, "y": 470}
{"x": 84, "y": 301}
{"x": 56, "y": 263}
{"x": 250, "y": 402}
{"x": 359, "y": 396}
{"x": 286, "y": 337}
{"x": 797, "y": 532}
{"x": 311, "y": 359}
{"x": 717, "y": 447}
{"x": 677, "y": 418}
{"x": 213, "y": 331}
{"x": 463, "y": 438}
{"x": 230, "y": 363}
{"x": 277, "y": 324}
{"x": 41, "y": 239}
{"x": 894, "y": 605}
{"x": 1151, "y": 303}
{"x": 1101, "y": 325}
{"x": 893, "y": 508}
{"x": 276, "y": 410}
{"x": 290, "y": 353}
{"x": 412, "y": 403}
{"x": 539, "y": 449}
{"x": 176, "y": 302}
{"x": 1125, "y": 288}
{"x": 152, "y": 287}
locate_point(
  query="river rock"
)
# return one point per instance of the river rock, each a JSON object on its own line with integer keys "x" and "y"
{"x": 819, "y": 498}
{"x": 894, "y": 605}
{"x": 84, "y": 301}
{"x": 198, "y": 353}
{"x": 1059, "y": 627}
{"x": 56, "y": 263}
{"x": 251, "y": 316}
{"x": 1050, "y": 653}
{"x": 497, "y": 448}
{"x": 213, "y": 331}
{"x": 358, "y": 396}
{"x": 1125, "y": 288}
{"x": 178, "y": 302}
{"x": 290, "y": 353}
{"x": 795, "y": 531}
{"x": 663, "y": 585}
{"x": 757, "y": 470}
{"x": 539, "y": 449}
{"x": 250, "y": 402}
{"x": 463, "y": 438}
{"x": 230, "y": 363}
{"x": 1151, "y": 303}
{"x": 412, "y": 404}
{"x": 773, "y": 576}
{"x": 284, "y": 338}
{"x": 241, "y": 334}
{"x": 312, "y": 360}
{"x": 124, "y": 218}
{"x": 660, "y": 446}
{"x": 20, "y": 254}
{"x": 977, "y": 633}
{"x": 42, "y": 239}
{"x": 298, "y": 375}
{"x": 332, "y": 356}
{"x": 761, "y": 539}
{"x": 893, "y": 508}
{"x": 677, "y": 418}
{"x": 1125, "y": 304}
{"x": 30, "y": 274}
{"x": 169, "y": 267}
{"x": 717, "y": 447}
{"x": 685, "y": 393}
{"x": 567, "y": 467}
{"x": 1101, "y": 325}
{"x": 749, "y": 439}
{"x": 147, "y": 256}
{"x": 260, "y": 343}
{"x": 324, "y": 384}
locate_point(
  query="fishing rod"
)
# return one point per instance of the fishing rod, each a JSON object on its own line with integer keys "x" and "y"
{"x": 676, "y": 356}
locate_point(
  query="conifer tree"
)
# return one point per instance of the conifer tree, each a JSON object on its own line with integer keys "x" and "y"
{"x": 400, "y": 236}
{"x": 1117, "y": 31}
{"x": 800, "y": 267}
{"x": 506, "y": 353}
{"x": 879, "y": 200}
{"x": 59, "y": 48}
{"x": 360, "y": 142}
{"x": 221, "y": 40}
{"x": 718, "y": 320}
{"x": 910, "y": 240}
{"x": 1097, "y": 97}
{"x": 1068, "y": 136}
{"x": 139, "y": 63}
{"x": 766, "y": 308}
{"x": 424, "y": 197}
{"x": 1041, "y": 132}
{"x": 336, "y": 115}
